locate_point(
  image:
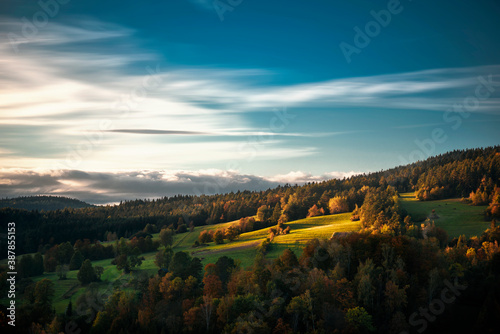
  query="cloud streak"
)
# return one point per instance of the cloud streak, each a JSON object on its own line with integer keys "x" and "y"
{"x": 157, "y": 132}
{"x": 61, "y": 85}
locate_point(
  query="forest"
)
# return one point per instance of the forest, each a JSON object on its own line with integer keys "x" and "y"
{"x": 396, "y": 274}
{"x": 46, "y": 203}
{"x": 455, "y": 174}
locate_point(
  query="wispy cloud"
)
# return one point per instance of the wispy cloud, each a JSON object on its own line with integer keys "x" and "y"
{"x": 61, "y": 85}
{"x": 157, "y": 132}
{"x": 299, "y": 177}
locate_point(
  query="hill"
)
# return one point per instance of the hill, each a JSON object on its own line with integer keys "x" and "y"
{"x": 46, "y": 203}
{"x": 454, "y": 216}
{"x": 455, "y": 174}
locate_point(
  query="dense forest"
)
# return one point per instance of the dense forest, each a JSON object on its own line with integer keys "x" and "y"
{"x": 45, "y": 203}
{"x": 472, "y": 174}
{"x": 361, "y": 282}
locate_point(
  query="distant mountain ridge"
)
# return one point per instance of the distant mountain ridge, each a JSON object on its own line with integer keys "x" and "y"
{"x": 47, "y": 203}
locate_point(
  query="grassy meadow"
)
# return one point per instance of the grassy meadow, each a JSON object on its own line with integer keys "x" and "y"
{"x": 454, "y": 216}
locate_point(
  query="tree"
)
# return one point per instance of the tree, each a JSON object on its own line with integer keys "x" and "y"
{"x": 288, "y": 259}
{"x": 122, "y": 263}
{"x": 182, "y": 228}
{"x": 127, "y": 258}
{"x": 76, "y": 260}
{"x": 50, "y": 259}
{"x": 315, "y": 211}
{"x": 69, "y": 310}
{"x": 219, "y": 237}
{"x": 44, "y": 292}
{"x": 263, "y": 213}
{"x": 166, "y": 237}
{"x": 298, "y": 308}
{"x": 301, "y": 308}
{"x": 204, "y": 237}
{"x": 338, "y": 204}
{"x": 25, "y": 266}
{"x": 282, "y": 327}
{"x": 183, "y": 265}
{"x": 359, "y": 320}
{"x": 86, "y": 273}
{"x": 276, "y": 214}
{"x": 65, "y": 252}
{"x": 38, "y": 264}
{"x": 395, "y": 298}
{"x": 62, "y": 271}
{"x": 232, "y": 232}
{"x": 98, "y": 272}
{"x": 135, "y": 260}
{"x": 150, "y": 229}
{"x": 163, "y": 258}
{"x": 223, "y": 268}
{"x": 212, "y": 286}
{"x": 193, "y": 320}
{"x": 102, "y": 322}
{"x": 493, "y": 210}
{"x": 283, "y": 219}
{"x": 207, "y": 308}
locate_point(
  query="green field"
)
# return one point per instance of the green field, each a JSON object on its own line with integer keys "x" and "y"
{"x": 243, "y": 250}
{"x": 455, "y": 217}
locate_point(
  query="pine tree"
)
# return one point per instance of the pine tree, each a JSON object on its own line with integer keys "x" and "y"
{"x": 69, "y": 309}
{"x": 276, "y": 214}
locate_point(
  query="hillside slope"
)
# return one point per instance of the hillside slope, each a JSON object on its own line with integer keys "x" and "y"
{"x": 46, "y": 203}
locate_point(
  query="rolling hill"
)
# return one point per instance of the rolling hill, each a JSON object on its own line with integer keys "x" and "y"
{"x": 47, "y": 203}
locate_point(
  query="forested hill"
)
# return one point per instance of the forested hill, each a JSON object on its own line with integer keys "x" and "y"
{"x": 43, "y": 203}
{"x": 473, "y": 174}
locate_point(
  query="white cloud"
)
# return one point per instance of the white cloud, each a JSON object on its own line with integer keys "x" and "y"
{"x": 64, "y": 91}
{"x": 105, "y": 187}
{"x": 69, "y": 94}
{"x": 300, "y": 177}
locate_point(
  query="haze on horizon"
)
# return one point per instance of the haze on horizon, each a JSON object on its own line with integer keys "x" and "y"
{"x": 119, "y": 100}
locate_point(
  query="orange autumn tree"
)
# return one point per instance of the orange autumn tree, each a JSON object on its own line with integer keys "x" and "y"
{"x": 212, "y": 284}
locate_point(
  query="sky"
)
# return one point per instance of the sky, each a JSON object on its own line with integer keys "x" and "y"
{"x": 114, "y": 100}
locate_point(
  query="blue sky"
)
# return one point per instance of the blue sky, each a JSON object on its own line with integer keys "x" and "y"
{"x": 247, "y": 95}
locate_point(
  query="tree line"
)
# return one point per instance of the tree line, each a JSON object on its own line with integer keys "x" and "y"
{"x": 472, "y": 174}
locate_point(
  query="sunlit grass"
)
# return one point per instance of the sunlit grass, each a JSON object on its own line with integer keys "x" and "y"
{"x": 455, "y": 217}
{"x": 243, "y": 250}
